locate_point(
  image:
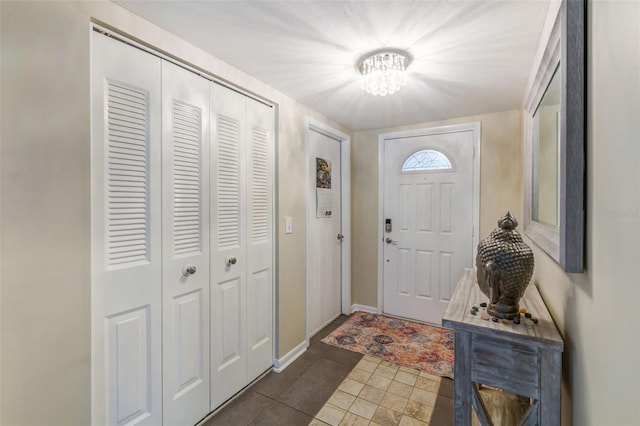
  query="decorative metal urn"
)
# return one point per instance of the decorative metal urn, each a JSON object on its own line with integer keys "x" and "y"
{"x": 505, "y": 266}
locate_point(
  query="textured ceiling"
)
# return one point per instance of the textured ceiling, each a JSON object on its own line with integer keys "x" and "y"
{"x": 470, "y": 57}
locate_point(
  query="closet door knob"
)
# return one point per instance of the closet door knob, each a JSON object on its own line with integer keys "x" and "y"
{"x": 231, "y": 261}
{"x": 188, "y": 270}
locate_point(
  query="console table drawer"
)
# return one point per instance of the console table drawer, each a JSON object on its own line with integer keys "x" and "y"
{"x": 504, "y": 364}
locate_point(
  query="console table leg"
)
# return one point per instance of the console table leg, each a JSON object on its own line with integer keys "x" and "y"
{"x": 551, "y": 365}
{"x": 462, "y": 386}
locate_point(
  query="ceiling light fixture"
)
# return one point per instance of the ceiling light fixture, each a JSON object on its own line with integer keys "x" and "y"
{"x": 384, "y": 70}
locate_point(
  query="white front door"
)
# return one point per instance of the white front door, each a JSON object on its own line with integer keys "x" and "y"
{"x": 428, "y": 202}
{"x": 185, "y": 230}
{"x": 324, "y": 212}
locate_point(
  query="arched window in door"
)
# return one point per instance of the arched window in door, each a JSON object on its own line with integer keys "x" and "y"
{"x": 426, "y": 160}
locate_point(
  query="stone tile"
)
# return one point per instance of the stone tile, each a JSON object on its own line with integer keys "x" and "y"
{"x": 241, "y": 410}
{"x": 379, "y": 382}
{"x": 386, "y": 372}
{"x": 428, "y": 384}
{"x": 390, "y": 364}
{"x": 373, "y": 359}
{"x": 443, "y": 412}
{"x": 330, "y": 415}
{"x": 419, "y": 411}
{"x": 410, "y": 421}
{"x": 342, "y": 356}
{"x": 446, "y": 387}
{"x": 400, "y": 389}
{"x": 386, "y": 416}
{"x": 273, "y": 384}
{"x": 371, "y": 394}
{"x": 363, "y": 408}
{"x": 316, "y": 422}
{"x": 367, "y": 365}
{"x": 329, "y": 329}
{"x": 281, "y": 415}
{"x": 313, "y": 388}
{"x": 394, "y": 402}
{"x": 299, "y": 366}
{"x": 423, "y": 397}
{"x": 359, "y": 375}
{"x": 406, "y": 378}
{"x": 341, "y": 399}
{"x": 427, "y": 375}
{"x": 351, "y": 386}
{"x": 410, "y": 370}
{"x": 351, "y": 419}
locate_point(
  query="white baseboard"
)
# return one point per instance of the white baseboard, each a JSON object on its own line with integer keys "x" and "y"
{"x": 280, "y": 364}
{"x": 364, "y": 308}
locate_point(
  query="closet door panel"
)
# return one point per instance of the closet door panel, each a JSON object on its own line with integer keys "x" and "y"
{"x": 228, "y": 252}
{"x": 185, "y": 229}
{"x": 259, "y": 237}
{"x": 126, "y": 385}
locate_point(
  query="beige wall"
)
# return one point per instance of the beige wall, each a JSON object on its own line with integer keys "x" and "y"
{"x": 598, "y": 312}
{"x": 45, "y": 217}
{"x": 500, "y": 189}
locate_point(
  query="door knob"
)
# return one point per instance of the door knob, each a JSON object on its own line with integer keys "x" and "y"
{"x": 231, "y": 261}
{"x": 188, "y": 270}
{"x": 340, "y": 237}
{"x": 388, "y": 240}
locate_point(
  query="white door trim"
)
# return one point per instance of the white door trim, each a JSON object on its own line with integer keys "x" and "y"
{"x": 474, "y": 127}
{"x": 345, "y": 176}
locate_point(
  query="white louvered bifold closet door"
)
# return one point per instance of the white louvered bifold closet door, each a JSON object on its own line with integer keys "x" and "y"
{"x": 182, "y": 239}
{"x": 126, "y": 384}
{"x": 242, "y": 248}
{"x": 259, "y": 238}
{"x": 185, "y": 230}
{"x": 228, "y": 213}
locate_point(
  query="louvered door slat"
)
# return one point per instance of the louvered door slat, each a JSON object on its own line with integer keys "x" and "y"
{"x": 228, "y": 146}
{"x": 187, "y": 128}
{"x": 127, "y": 174}
{"x": 259, "y": 182}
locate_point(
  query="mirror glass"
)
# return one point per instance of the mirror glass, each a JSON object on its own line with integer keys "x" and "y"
{"x": 546, "y": 156}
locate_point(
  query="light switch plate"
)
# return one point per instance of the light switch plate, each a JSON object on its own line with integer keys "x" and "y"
{"x": 288, "y": 225}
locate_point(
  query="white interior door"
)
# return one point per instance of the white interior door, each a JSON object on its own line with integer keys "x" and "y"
{"x": 324, "y": 233}
{"x": 228, "y": 250}
{"x": 126, "y": 303}
{"x": 259, "y": 263}
{"x": 185, "y": 230}
{"x": 430, "y": 207}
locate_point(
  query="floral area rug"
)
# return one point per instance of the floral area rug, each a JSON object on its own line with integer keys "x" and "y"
{"x": 420, "y": 346}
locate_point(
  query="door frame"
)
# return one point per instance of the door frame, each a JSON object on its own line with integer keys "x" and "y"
{"x": 475, "y": 128}
{"x": 345, "y": 176}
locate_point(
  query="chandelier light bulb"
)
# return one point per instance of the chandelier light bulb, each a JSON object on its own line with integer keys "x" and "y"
{"x": 384, "y": 70}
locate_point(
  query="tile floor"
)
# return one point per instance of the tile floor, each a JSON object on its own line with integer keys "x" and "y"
{"x": 378, "y": 392}
{"x": 330, "y": 385}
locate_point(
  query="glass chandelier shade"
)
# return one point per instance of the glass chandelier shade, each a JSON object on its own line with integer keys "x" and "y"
{"x": 384, "y": 70}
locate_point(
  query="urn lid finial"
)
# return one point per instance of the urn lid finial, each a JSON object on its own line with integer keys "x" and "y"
{"x": 508, "y": 222}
